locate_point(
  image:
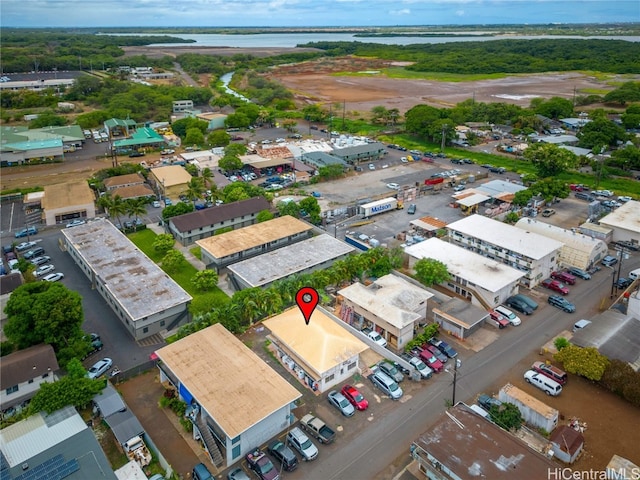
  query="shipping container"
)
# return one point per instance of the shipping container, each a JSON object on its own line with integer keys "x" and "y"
{"x": 534, "y": 412}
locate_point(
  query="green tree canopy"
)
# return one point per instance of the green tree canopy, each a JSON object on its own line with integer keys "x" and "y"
{"x": 506, "y": 416}
{"x": 555, "y": 108}
{"x": 550, "y": 188}
{"x": 230, "y": 163}
{"x": 586, "y": 362}
{"x": 218, "y": 138}
{"x": 73, "y": 389}
{"x": 549, "y": 159}
{"x": 163, "y": 242}
{"x": 44, "y": 312}
{"x": 289, "y": 208}
{"x": 182, "y": 126}
{"x": 311, "y": 207}
{"x": 205, "y": 280}
{"x": 194, "y": 137}
{"x": 179, "y": 208}
{"x": 172, "y": 261}
{"x": 601, "y": 131}
{"x": 430, "y": 271}
{"x": 263, "y": 216}
{"x": 625, "y": 93}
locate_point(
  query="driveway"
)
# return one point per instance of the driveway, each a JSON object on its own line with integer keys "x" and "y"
{"x": 142, "y": 394}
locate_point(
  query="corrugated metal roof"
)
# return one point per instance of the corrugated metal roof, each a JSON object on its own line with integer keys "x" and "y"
{"x": 222, "y": 213}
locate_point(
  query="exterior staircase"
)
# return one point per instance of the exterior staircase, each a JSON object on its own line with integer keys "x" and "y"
{"x": 209, "y": 442}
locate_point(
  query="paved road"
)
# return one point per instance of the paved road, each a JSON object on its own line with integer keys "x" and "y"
{"x": 386, "y": 441}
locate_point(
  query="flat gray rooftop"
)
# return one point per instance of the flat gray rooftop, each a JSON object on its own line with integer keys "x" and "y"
{"x": 272, "y": 266}
{"x": 140, "y": 286}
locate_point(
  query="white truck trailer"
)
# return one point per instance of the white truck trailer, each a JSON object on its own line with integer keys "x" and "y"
{"x": 379, "y": 206}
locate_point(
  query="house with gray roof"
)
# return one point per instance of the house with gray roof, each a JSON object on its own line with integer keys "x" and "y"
{"x": 49, "y": 446}
{"x": 22, "y": 373}
{"x": 360, "y": 153}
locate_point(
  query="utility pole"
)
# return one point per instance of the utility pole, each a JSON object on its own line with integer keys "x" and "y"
{"x": 344, "y": 104}
{"x": 456, "y": 364}
{"x": 444, "y": 133}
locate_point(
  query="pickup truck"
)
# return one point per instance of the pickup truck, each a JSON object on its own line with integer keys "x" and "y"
{"x": 137, "y": 451}
{"x": 317, "y": 428}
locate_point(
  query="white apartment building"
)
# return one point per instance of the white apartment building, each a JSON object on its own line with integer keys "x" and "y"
{"x": 535, "y": 255}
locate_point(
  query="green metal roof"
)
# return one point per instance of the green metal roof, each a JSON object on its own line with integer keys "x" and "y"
{"x": 117, "y": 122}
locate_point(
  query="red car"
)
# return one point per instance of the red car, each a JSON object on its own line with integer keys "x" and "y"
{"x": 431, "y": 360}
{"x": 500, "y": 320}
{"x": 556, "y": 286}
{"x": 565, "y": 277}
{"x": 355, "y": 397}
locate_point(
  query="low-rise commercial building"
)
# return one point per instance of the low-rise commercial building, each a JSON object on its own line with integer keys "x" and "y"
{"x": 315, "y": 253}
{"x": 485, "y": 282}
{"x": 232, "y": 247}
{"x": 391, "y": 305}
{"x": 141, "y": 294}
{"x": 64, "y": 202}
{"x": 482, "y": 450}
{"x": 321, "y": 354}
{"x": 535, "y": 255}
{"x": 237, "y": 401}
{"x": 625, "y": 222}
{"x": 170, "y": 181}
{"x": 207, "y": 222}
{"x": 578, "y": 250}
{"x": 459, "y": 318}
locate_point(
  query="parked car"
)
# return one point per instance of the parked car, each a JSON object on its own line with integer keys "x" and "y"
{"x": 387, "y": 384}
{"x": 25, "y": 232}
{"x": 21, "y": 247}
{"x": 500, "y": 170}
{"x": 623, "y": 283}
{"x": 95, "y": 342}
{"x": 554, "y": 373}
{"x": 459, "y": 188}
{"x": 565, "y": 277}
{"x": 75, "y": 223}
{"x": 156, "y": 204}
{"x": 412, "y": 209}
{"x": 519, "y": 305}
{"x": 420, "y": 366}
{"x": 41, "y": 260}
{"x": 393, "y": 186}
{"x": 512, "y": 317}
{"x": 439, "y": 355}
{"x": 339, "y": 401}
{"x": 430, "y": 359}
{"x": 607, "y": 261}
{"x": 547, "y": 212}
{"x": 262, "y": 465}
{"x": 561, "y": 303}
{"x": 201, "y": 472}
{"x": 391, "y": 370}
{"x": 100, "y": 368}
{"x": 628, "y": 245}
{"x": 487, "y": 402}
{"x": 43, "y": 270}
{"x": 354, "y": 397}
{"x": 36, "y": 252}
{"x": 624, "y": 198}
{"x": 298, "y": 440}
{"x": 580, "y": 273}
{"x": 53, "y": 277}
{"x": 585, "y": 196}
{"x": 498, "y": 319}
{"x": 603, "y": 193}
{"x": 548, "y": 386}
{"x": 284, "y": 455}
{"x": 528, "y": 300}
{"x": 376, "y": 337}
{"x": 555, "y": 285}
{"x": 372, "y": 166}
{"x": 444, "y": 347}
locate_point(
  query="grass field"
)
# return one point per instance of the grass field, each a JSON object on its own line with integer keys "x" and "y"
{"x": 201, "y": 300}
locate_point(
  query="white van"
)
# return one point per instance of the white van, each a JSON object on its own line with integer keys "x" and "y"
{"x": 387, "y": 384}
{"x": 548, "y": 386}
{"x": 634, "y": 274}
{"x": 580, "y": 324}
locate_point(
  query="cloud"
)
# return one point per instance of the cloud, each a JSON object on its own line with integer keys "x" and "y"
{"x": 403, "y": 11}
{"x": 459, "y": 13}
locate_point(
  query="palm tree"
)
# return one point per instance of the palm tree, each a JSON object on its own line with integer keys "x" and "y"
{"x": 207, "y": 176}
{"x": 114, "y": 206}
{"x": 195, "y": 189}
{"x": 136, "y": 207}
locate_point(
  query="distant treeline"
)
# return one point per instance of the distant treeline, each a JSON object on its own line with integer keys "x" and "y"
{"x": 46, "y": 50}
{"x": 501, "y": 56}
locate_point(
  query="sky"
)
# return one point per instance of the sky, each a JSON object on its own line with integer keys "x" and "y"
{"x": 309, "y": 13}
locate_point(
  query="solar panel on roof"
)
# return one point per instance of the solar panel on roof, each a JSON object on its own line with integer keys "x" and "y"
{"x": 54, "y": 468}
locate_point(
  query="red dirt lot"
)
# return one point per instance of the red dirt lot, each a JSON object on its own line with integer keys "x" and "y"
{"x": 313, "y": 82}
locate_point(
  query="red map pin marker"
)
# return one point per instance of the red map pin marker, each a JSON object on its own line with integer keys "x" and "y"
{"x": 307, "y": 299}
